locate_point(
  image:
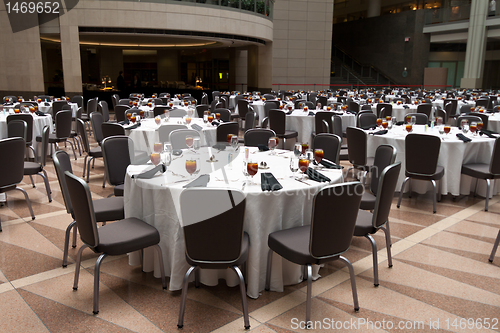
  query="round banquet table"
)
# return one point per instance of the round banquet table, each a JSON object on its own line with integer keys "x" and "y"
{"x": 452, "y": 155}
{"x": 399, "y": 110}
{"x": 494, "y": 122}
{"x": 305, "y": 125}
{"x": 156, "y": 201}
{"x": 460, "y": 103}
{"x": 145, "y": 136}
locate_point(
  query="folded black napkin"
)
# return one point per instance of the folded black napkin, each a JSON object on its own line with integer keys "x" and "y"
{"x": 310, "y": 113}
{"x": 177, "y": 152}
{"x": 215, "y": 123}
{"x": 349, "y": 111}
{"x": 289, "y": 112}
{"x": 263, "y": 147}
{"x": 220, "y": 146}
{"x": 406, "y": 106}
{"x": 463, "y": 137}
{"x": 134, "y": 126}
{"x": 381, "y": 132}
{"x": 150, "y": 173}
{"x": 316, "y": 176}
{"x": 330, "y": 165}
{"x": 201, "y": 181}
{"x": 269, "y": 182}
{"x": 399, "y": 123}
{"x": 488, "y": 133}
{"x": 47, "y": 104}
{"x": 196, "y": 127}
{"x": 40, "y": 113}
{"x": 125, "y": 122}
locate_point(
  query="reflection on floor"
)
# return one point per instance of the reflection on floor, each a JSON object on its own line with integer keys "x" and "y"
{"x": 441, "y": 274}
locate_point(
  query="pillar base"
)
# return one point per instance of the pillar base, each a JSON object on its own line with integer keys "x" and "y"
{"x": 471, "y": 83}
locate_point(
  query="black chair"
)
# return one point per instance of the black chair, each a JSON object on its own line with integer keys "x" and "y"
{"x": 258, "y": 136}
{"x": 330, "y": 143}
{"x": 484, "y": 117}
{"x": 177, "y": 137}
{"x": 165, "y": 130}
{"x": 92, "y": 154}
{"x": 366, "y": 107}
{"x": 385, "y": 112}
{"x": 421, "y": 155}
{"x": 318, "y": 122}
{"x": 385, "y": 155}
{"x": 124, "y": 101}
{"x": 482, "y": 102}
{"x": 466, "y": 109}
{"x": 495, "y": 247}
{"x": 117, "y": 152}
{"x": 225, "y": 114}
{"x": 111, "y": 129}
{"x": 17, "y": 128}
{"x": 216, "y": 242}
{"x": 325, "y": 240}
{"x": 58, "y": 106}
{"x": 357, "y": 151}
{"x": 226, "y": 128}
{"x": 353, "y": 106}
{"x": 35, "y": 168}
{"x": 201, "y": 108}
{"x": 387, "y": 106}
{"x": 78, "y": 99}
{"x": 107, "y": 209}
{"x": 452, "y": 111}
{"x": 485, "y": 171}
{"x": 64, "y": 119}
{"x": 177, "y": 113}
{"x": 118, "y": 238}
{"x": 470, "y": 118}
{"x": 12, "y": 168}
{"x": 277, "y": 122}
{"x": 426, "y": 109}
{"x": 367, "y": 120}
{"x": 114, "y": 100}
{"x": 420, "y": 118}
{"x": 96, "y": 120}
{"x": 242, "y": 108}
{"x": 28, "y": 119}
{"x": 337, "y": 130}
{"x": 103, "y": 108}
{"x": 159, "y": 110}
{"x": 441, "y": 113}
{"x": 369, "y": 223}
{"x": 120, "y": 112}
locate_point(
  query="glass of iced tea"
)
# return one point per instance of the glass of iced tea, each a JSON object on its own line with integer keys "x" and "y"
{"x": 409, "y": 127}
{"x": 210, "y": 118}
{"x": 385, "y": 124}
{"x": 228, "y": 137}
{"x": 158, "y": 147}
{"x": 188, "y": 120}
{"x": 379, "y": 122}
{"x": 473, "y": 127}
{"x": 191, "y": 166}
{"x": 133, "y": 118}
{"x": 480, "y": 125}
{"x": 305, "y": 147}
{"x": 217, "y": 116}
{"x": 189, "y": 141}
{"x": 155, "y": 158}
{"x": 252, "y": 169}
{"x": 447, "y": 129}
{"x": 318, "y": 155}
{"x": 303, "y": 164}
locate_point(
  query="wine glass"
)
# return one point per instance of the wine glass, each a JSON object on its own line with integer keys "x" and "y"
{"x": 303, "y": 164}
{"x": 297, "y": 150}
{"x": 439, "y": 121}
{"x": 157, "y": 120}
{"x": 409, "y": 127}
{"x": 158, "y": 147}
{"x": 408, "y": 119}
{"x": 155, "y": 158}
{"x": 318, "y": 155}
{"x": 413, "y": 120}
{"x": 479, "y": 125}
{"x": 294, "y": 166}
{"x": 271, "y": 144}
{"x": 447, "y": 129}
{"x": 252, "y": 169}
{"x": 191, "y": 166}
{"x": 167, "y": 153}
{"x": 196, "y": 144}
{"x": 473, "y": 128}
{"x": 189, "y": 141}
{"x": 234, "y": 142}
{"x": 133, "y": 118}
{"x": 385, "y": 124}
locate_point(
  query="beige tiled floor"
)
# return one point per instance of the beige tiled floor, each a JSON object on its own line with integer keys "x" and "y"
{"x": 441, "y": 272}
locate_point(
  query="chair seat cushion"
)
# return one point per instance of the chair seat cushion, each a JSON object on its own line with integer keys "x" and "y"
{"x": 126, "y": 236}
{"x": 435, "y": 176}
{"x": 478, "y": 170}
{"x": 364, "y": 224}
{"x": 119, "y": 190}
{"x": 32, "y": 168}
{"x": 245, "y": 243}
{"x": 293, "y": 245}
{"x": 288, "y": 135}
{"x": 52, "y": 138}
{"x": 367, "y": 201}
{"x": 109, "y": 209}
{"x": 95, "y": 152}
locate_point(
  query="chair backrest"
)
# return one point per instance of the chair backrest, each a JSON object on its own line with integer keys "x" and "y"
{"x": 117, "y": 152}
{"x": 204, "y": 99}
{"x": 225, "y": 114}
{"x": 470, "y": 118}
{"x": 201, "y": 108}
{"x": 111, "y": 129}
{"x": 102, "y": 107}
{"x": 277, "y": 121}
{"x": 17, "y": 128}
{"x": 158, "y": 101}
{"x": 422, "y": 153}
{"x": 159, "y": 110}
{"x": 58, "y": 106}
{"x": 269, "y": 105}
{"x": 96, "y": 119}
{"x": 28, "y": 118}
{"x": 226, "y": 128}
{"x": 83, "y": 209}
{"x": 62, "y": 163}
{"x": 242, "y": 108}
{"x": 466, "y": 109}
{"x": 330, "y": 143}
{"x": 384, "y": 156}
{"x": 385, "y": 112}
{"x": 331, "y": 234}
{"x": 165, "y": 130}
{"x": 482, "y": 102}
{"x": 484, "y": 117}
{"x": 177, "y": 113}
{"x": 78, "y": 99}
{"x": 367, "y": 120}
{"x": 420, "y": 118}
{"x": 318, "y": 120}
{"x": 269, "y": 96}
{"x": 45, "y": 144}
{"x": 82, "y": 132}
{"x": 495, "y": 158}
{"x": 353, "y": 106}
{"x": 250, "y": 119}
{"x": 337, "y": 126}
{"x": 425, "y": 108}
{"x": 215, "y": 93}
{"x": 114, "y": 100}
{"x": 124, "y": 101}
{"x": 213, "y": 233}
{"x": 387, "y": 106}
{"x": 92, "y": 105}
{"x": 64, "y": 119}
{"x": 120, "y": 112}
{"x": 453, "y": 109}
{"x": 356, "y": 150}
{"x": 258, "y": 136}
{"x": 12, "y": 168}
{"x": 385, "y": 194}
{"x": 323, "y": 100}
{"x": 178, "y": 137}
{"x": 366, "y": 107}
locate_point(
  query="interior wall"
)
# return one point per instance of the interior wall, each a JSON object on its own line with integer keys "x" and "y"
{"x": 168, "y": 65}
{"x": 111, "y": 63}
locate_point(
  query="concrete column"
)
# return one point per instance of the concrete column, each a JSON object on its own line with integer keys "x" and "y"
{"x": 70, "y": 53}
{"x": 168, "y": 65}
{"x": 373, "y": 8}
{"x": 476, "y": 45}
{"x": 238, "y": 62}
{"x": 260, "y": 67}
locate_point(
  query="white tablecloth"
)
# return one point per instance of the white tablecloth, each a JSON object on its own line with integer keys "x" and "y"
{"x": 494, "y": 122}
{"x": 145, "y": 136}
{"x": 452, "y": 155}
{"x": 48, "y": 108}
{"x": 399, "y": 110}
{"x": 156, "y": 201}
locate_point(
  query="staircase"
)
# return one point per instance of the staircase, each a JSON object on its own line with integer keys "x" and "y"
{"x": 349, "y": 71}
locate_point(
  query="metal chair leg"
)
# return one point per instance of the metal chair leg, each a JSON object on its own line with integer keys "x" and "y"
{"x": 85, "y": 165}
{"x": 88, "y": 167}
{"x": 488, "y": 183}
{"x": 27, "y": 201}
{"x": 494, "y": 250}
{"x": 268, "y": 272}
{"x": 97, "y": 272}
{"x": 180, "y": 323}
{"x": 434, "y": 194}
{"x": 47, "y": 185}
{"x": 375, "y": 261}
{"x": 72, "y": 147}
{"x": 66, "y": 243}
{"x": 160, "y": 259}
{"x": 388, "y": 244}
{"x": 77, "y": 268}
{"x": 401, "y": 192}
{"x": 243, "y": 292}
{"x": 309, "y": 295}
{"x": 32, "y": 182}
{"x": 353, "y": 283}
{"x": 74, "y": 236}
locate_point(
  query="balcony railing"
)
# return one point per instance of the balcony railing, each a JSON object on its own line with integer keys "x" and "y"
{"x": 448, "y": 14}
{"x": 260, "y": 7}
